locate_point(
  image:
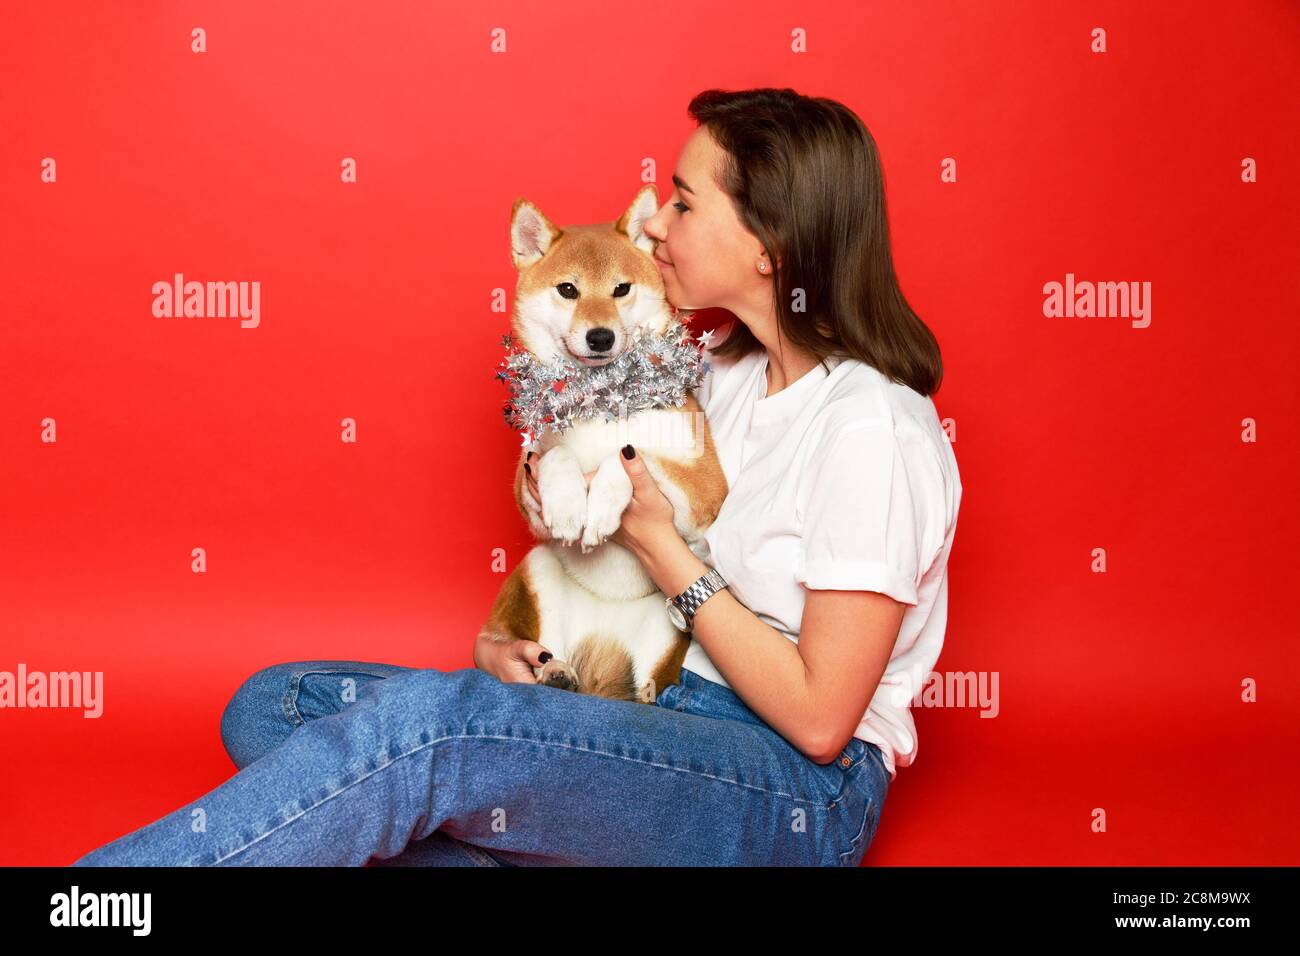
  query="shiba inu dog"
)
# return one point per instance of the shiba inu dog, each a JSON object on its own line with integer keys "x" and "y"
{"x": 582, "y": 292}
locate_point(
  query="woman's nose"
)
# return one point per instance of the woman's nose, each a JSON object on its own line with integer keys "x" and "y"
{"x": 653, "y": 229}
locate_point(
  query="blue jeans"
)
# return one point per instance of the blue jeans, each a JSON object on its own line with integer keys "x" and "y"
{"x": 346, "y": 763}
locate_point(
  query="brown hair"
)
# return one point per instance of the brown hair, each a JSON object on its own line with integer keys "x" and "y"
{"x": 804, "y": 176}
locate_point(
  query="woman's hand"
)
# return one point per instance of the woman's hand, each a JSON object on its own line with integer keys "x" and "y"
{"x": 647, "y": 523}
{"x": 509, "y": 661}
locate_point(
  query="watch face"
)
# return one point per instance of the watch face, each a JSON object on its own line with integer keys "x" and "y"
{"x": 677, "y": 617}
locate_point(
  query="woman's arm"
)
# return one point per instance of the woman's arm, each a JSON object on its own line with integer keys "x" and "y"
{"x": 813, "y": 693}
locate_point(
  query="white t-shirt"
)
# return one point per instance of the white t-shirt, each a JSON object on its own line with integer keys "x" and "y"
{"x": 841, "y": 480}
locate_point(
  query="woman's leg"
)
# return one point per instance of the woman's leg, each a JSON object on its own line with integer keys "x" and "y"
{"x": 525, "y": 769}
{"x": 279, "y": 699}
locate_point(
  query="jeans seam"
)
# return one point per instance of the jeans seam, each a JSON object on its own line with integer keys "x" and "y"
{"x": 856, "y": 842}
{"x": 818, "y": 804}
{"x": 479, "y": 856}
{"x": 871, "y": 815}
{"x": 289, "y": 703}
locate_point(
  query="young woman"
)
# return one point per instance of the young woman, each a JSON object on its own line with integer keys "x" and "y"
{"x": 792, "y": 714}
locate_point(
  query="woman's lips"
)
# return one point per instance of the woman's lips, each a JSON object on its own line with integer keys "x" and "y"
{"x": 663, "y": 264}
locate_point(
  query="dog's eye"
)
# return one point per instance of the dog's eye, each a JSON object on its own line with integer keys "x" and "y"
{"x": 623, "y": 288}
{"x": 567, "y": 289}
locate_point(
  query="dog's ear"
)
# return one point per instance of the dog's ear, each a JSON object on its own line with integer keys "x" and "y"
{"x": 531, "y": 233}
{"x": 632, "y": 222}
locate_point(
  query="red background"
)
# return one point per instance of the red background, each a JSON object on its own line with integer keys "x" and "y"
{"x": 1118, "y": 690}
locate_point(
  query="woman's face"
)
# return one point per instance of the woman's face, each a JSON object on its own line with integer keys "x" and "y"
{"x": 711, "y": 258}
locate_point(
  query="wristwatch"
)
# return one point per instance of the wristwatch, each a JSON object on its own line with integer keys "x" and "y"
{"x": 681, "y": 609}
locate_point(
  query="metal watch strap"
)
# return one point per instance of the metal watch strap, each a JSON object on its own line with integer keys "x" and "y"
{"x": 689, "y": 601}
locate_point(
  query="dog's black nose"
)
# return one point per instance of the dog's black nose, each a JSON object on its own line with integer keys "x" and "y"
{"x": 600, "y": 340}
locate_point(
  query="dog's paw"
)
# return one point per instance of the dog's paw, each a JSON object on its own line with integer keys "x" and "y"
{"x": 564, "y": 507}
{"x": 540, "y": 531}
{"x": 607, "y": 499}
{"x": 557, "y": 673}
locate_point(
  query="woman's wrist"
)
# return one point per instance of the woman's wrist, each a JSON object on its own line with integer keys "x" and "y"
{"x": 672, "y": 565}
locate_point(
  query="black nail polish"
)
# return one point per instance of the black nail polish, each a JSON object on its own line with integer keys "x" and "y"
{"x": 544, "y": 656}
{"x": 528, "y": 468}
{"x": 629, "y": 451}
{"x": 530, "y": 456}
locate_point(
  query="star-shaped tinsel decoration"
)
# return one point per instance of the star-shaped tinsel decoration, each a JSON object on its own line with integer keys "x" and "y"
{"x": 654, "y": 371}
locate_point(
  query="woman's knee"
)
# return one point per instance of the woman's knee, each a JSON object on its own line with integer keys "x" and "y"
{"x": 253, "y": 720}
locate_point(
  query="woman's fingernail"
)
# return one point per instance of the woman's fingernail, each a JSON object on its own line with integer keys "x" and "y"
{"x": 544, "y": 656}
{"x": 530, "y": 456}
{"x": 628, "y": 451}
{"x": 528, "y": 468}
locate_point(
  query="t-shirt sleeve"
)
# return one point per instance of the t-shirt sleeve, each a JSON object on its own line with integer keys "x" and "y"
{"x": 871, "y": 504}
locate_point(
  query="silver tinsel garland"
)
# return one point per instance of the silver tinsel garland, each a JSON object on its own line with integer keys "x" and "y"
{"x": 655, "y": 371}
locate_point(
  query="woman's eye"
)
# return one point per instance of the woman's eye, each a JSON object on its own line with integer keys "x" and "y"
{"x": 681, "y": 206}
{"x": 622, "y": 289}
{"x": 567, "y": 289}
